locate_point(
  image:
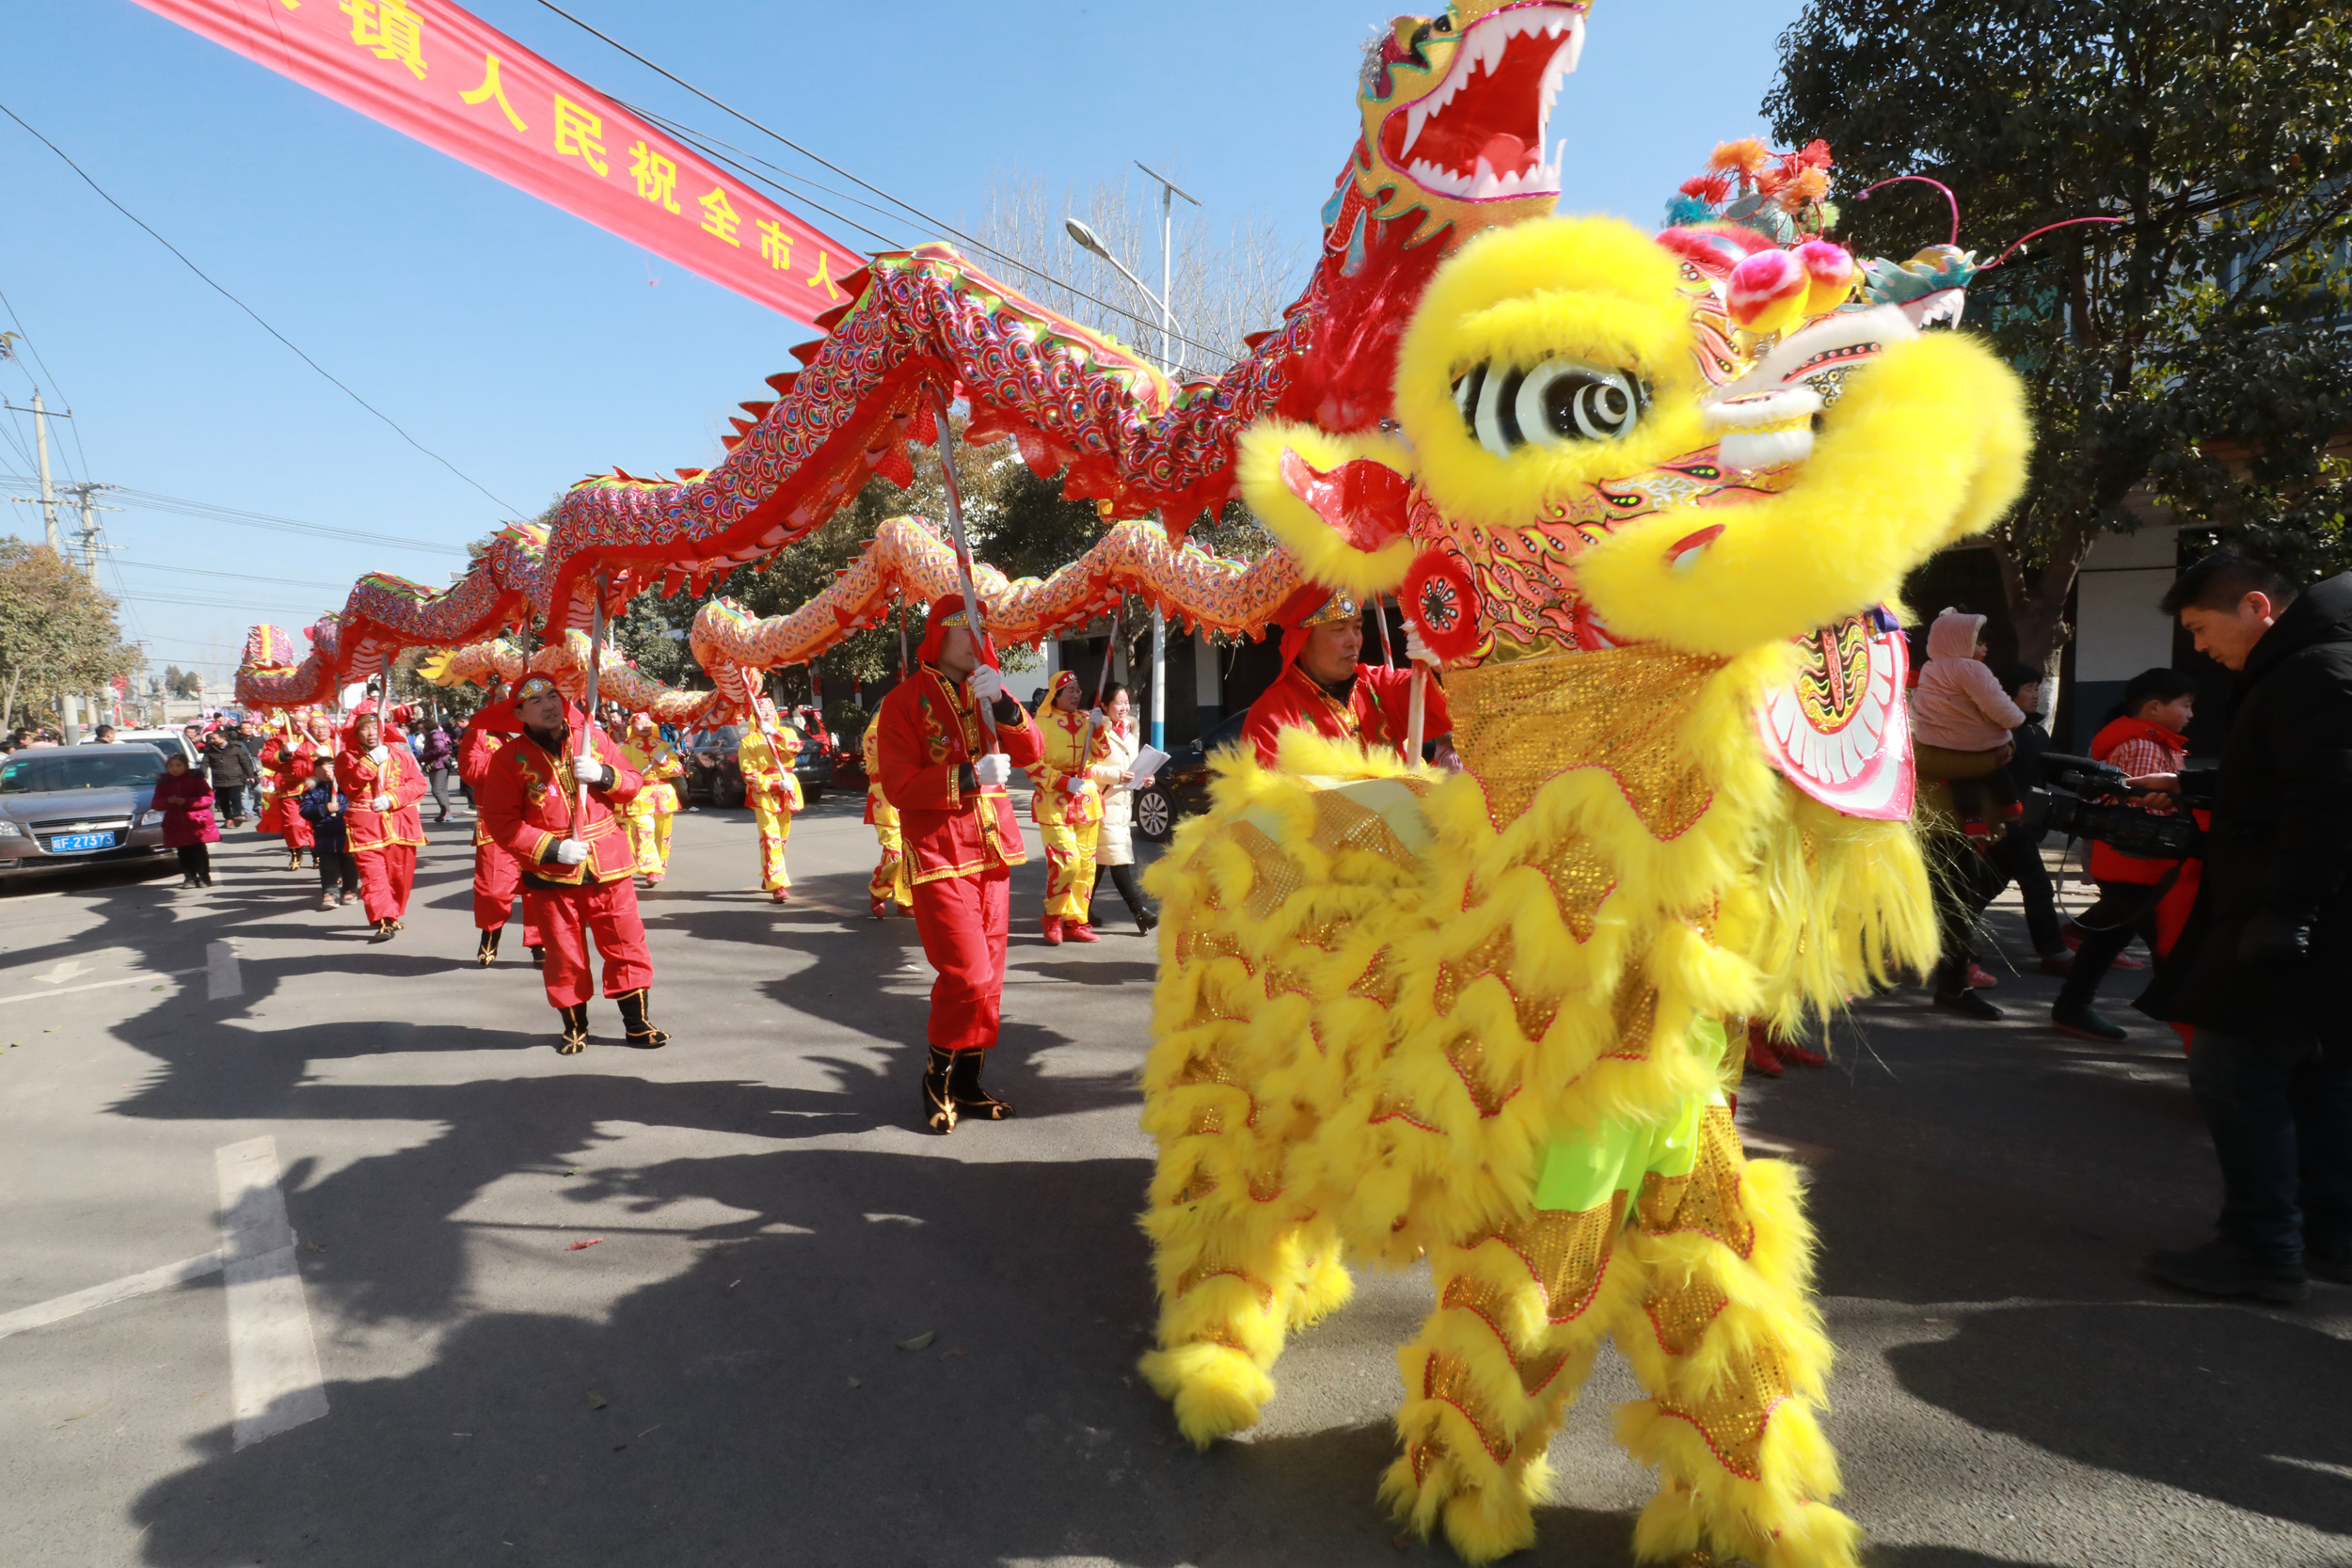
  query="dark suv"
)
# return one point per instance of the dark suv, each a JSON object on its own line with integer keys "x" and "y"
{"x": 1181, "y": 789}
{"x": 714, "y": 774}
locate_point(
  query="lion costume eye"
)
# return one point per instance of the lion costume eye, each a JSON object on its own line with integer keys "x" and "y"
{"x": 1558, "y": 401}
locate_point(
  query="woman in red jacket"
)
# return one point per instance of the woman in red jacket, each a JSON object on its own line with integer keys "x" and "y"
{"x": 187, "y": 801}
{"x": 2145, "y": 736}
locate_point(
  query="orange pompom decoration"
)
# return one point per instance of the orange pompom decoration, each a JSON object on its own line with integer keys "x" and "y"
{"x": 1767, "y": 292}
{"x": 1746, "y": 156}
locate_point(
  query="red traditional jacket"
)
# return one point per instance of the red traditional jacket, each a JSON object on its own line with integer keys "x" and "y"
{"x": 290, "y": 761}
{"x": 1377, "y": 711}
{"x": 929, "y": 731}
{"x": 526, "y": 799}
{"x": 475, "y": 749}
{"x": 361, "y": 780}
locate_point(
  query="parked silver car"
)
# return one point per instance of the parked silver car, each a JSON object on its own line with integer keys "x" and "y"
{"x": 76, "y": 805}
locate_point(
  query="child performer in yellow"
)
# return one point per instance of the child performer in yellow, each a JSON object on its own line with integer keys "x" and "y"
{"x": 771, "y": 791}
{"x": 649, "y": 813}
{"x": 890, "y": 884}
{"x": 1067, "y": 806}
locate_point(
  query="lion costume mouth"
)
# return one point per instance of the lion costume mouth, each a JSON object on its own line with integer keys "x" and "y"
{"x": 1480, "y": 134}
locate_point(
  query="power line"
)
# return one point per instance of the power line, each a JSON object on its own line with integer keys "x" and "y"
{"x": 939, "y": 224}
{"x": 78, "y": 451}
{"x": 149, "y": 501}
{"x": 241, "y": 577}
{"x": 511, "y": 509}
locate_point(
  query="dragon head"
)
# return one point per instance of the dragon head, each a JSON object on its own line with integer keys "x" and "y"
{"x": 1598, "y": 458}
{"x": 1458, "y": 108}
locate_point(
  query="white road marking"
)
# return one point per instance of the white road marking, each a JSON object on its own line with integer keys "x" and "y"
{"x": 273, "y": 1363}
{"x": 221, "y": 977}
{"x": 66, "y": 969}
{"x": 61, "y": 1307}
{"x": 101, "y": 985}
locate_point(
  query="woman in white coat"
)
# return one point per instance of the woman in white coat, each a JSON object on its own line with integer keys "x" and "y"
{"x": 1114, "y": 757}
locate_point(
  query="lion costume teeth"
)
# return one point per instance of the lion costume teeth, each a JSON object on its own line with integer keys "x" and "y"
{"x": 1482, "y": 1018}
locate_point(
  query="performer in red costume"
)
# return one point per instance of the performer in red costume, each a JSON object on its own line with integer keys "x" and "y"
{"x": 289, "y": 759}
{"x": 579, "y": 870}
{"x": 381, "y": 779}
{"x": 1324, "y": 688}
{"x": 946, "y": 772}
{"x": 497, "y": 875}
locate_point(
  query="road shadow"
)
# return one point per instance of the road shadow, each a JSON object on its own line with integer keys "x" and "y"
{"x": 2081, "y": 1381}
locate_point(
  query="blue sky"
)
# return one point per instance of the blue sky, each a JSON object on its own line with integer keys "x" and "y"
{"x": 527, "y": 347}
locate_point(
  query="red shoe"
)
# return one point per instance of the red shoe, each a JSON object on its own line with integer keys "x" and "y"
{"x": 1804, "y": 1056}
{"x": 876, "y": 905}
{"x": 1053, "y": 930}
{"x": 782, "y": 895}
{"x": 1077, "y": 930}
{"x": 1979, "y": 978}
{"x": 2124, "y": 961}
{"x": 1760, "y": 1057}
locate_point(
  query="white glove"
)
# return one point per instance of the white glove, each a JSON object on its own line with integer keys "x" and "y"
{"x": 377, "y": 754}
{"x": 569, "y": 851}
{"x": 988, "y": 684}
{"x": 588, "y": 770}
{"x": 1098, "y": 719}
{"x": 382, "y": 802}
{"x": 1415, "y": 649}
{"x": 993, "y": 769}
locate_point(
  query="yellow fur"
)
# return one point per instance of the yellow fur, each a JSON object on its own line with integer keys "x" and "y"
{"x": 1323, "y": 554}
{"x": 1389, "y": 997}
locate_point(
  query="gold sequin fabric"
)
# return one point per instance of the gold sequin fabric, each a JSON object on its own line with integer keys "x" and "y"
{"x": 1733, "y": 1416}
{"x": 1635, "y": 1012}
{"x": 1494, "y": 956}
{"x": 1343, "y": 824}
{"x": 1566, "y": 1253}
{"x": 1274, "y": 876}
{"x": 1681, "y": 1317}
{"x": 1580, "y": 880}
{"x": 1520, "y": 725}
{"x": 1707, "y": 1199}
{"x": 1449, "y": 1378}
{"x": 1467, "y": 1054}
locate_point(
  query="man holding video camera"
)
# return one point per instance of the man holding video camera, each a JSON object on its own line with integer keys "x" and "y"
{"x": 2259, "y": 972}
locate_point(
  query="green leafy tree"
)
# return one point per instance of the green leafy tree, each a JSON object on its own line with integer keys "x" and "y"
{"x": 57, "y": 633}
{"x": 2191, "y": 357}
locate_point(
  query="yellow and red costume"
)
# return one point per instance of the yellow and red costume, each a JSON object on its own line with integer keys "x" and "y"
{"x": 1373, "y": 706}
{"x": 288, "y": 759}
{"x": 772, "y": 790}
{"x": 1067, "y": 805}
{"x": 497, "y": 875}
{"x": 384, "y": 842}
{"x": 530, "y": 800}
{"x": 962, "y": 840}
{"x": 890, "y": 882}
{"x": 651, "y": 814}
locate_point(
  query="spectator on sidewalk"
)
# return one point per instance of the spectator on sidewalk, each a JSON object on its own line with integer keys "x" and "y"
{"x": 2018, "y": 852}
{"x": 322, "y": 806}
{"x": 2259, "y": 968}
{"x": 1959, "y": 707}
{"x": 106, "y": 735}
{"x": 2145, "y": 735}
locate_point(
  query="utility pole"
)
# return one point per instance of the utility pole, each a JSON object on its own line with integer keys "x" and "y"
{"x": 47, "y": 500}
{"x": 88, "y": 535}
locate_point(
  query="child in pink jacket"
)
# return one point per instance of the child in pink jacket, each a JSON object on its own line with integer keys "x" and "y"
{"x": 1958, "y": 705}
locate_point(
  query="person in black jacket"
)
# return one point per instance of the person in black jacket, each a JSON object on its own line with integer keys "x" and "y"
{"x": 233, "y": 770}
{"x": 2017, "y": 852}
{"x": 2259, "y": 969}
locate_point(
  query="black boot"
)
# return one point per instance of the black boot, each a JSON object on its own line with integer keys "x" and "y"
{"x": 538, "y": 956}
{"x": 963, "y": 1088}
{"x": 1124, "y": 878}
{"x": 939, "y": 1105}
{"x": 637, "y": 1020}
{"x": 575, "y": 1039}
{"x": 487, "y": 953}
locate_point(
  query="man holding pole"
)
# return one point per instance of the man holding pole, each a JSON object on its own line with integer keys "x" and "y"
{"x": 497, "y": 877}
{"x": 1324, "y": 688}
{"x": 380, "y": 777}
{"x": 549, "y": 798}
{"x": 950, "y": 738}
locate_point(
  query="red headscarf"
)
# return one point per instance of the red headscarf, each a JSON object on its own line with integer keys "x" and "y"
{"x": 945, "y": 610}
{"x": 1311, "y": 605}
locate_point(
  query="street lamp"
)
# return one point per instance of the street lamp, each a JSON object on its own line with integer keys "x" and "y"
{"x": 1088, "y": 240}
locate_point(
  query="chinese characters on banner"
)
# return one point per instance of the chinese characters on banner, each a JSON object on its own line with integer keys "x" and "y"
{"x": 447, "y": 78}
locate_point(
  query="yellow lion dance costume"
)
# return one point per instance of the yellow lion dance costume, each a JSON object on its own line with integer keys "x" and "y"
{"x": 1481, "y": 1017}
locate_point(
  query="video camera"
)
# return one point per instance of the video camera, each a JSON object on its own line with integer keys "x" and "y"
{"x": 2090, "y": 800}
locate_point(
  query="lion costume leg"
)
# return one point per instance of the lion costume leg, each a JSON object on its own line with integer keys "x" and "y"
{"x": 1725, "y": 1337}
{"x": 1520, "y": 1313}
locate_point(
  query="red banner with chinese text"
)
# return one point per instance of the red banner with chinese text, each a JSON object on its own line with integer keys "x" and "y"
{"x": 454, "y": 82}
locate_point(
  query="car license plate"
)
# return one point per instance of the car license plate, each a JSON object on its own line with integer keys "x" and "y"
{"x": 65, "y": 842}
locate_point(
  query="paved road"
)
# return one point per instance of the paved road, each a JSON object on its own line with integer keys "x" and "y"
{"x": 719, "y": 1380}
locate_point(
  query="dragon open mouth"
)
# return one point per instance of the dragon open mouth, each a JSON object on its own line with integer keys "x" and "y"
{"x": 1479, "y": 136}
